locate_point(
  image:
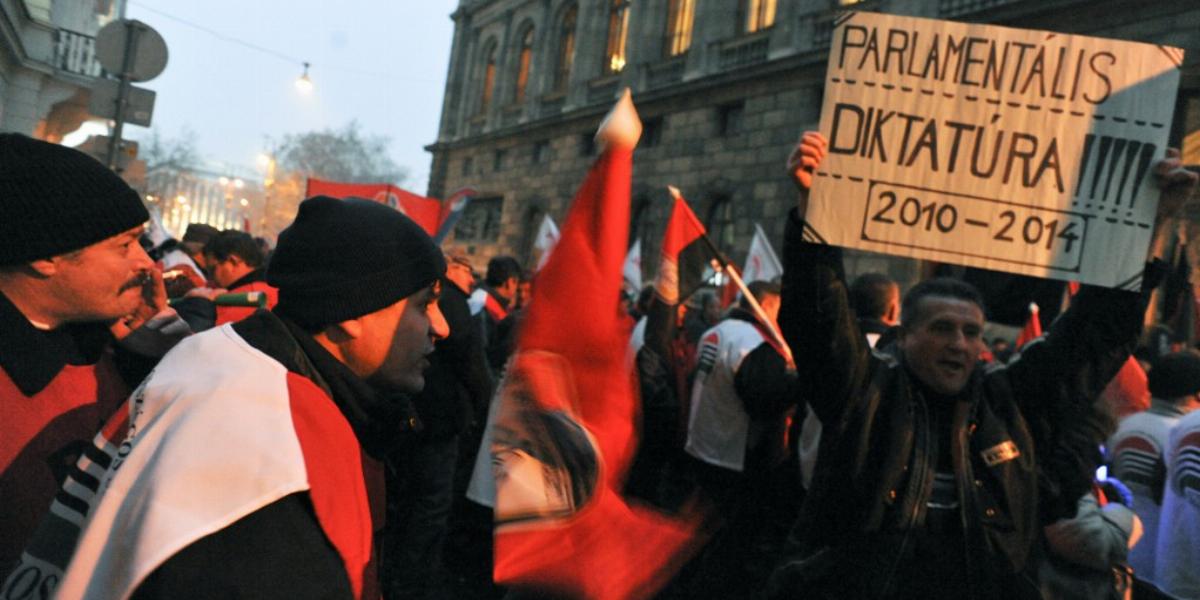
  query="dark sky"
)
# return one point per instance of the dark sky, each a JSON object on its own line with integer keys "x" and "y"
{"x": 382, "y": 62}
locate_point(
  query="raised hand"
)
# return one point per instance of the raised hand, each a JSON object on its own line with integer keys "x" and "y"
{"x": 803, "y": 163}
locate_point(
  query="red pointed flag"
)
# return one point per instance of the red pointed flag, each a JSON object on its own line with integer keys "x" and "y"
{"x": 1032, "y": 329}
{"x": 426, "y": 212}
{"x": 564, "y": 433}
{"x": 1129, "y": 391}
{"x": 685, "y": 255}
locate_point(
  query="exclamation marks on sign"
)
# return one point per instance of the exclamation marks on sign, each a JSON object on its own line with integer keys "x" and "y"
{"x": 1113, "y": 156}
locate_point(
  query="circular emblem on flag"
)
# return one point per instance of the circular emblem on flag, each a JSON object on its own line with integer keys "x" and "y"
{"x": 390, "y": 198}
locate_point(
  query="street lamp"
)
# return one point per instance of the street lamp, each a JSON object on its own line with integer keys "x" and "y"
{"x": 304, "y": 84}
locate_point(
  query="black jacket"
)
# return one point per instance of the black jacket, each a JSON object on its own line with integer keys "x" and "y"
{"x": 878, "y": 452}
{"x": 457, "y": 383}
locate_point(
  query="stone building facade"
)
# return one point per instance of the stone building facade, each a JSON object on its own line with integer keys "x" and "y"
{"x": 724, "y": 88}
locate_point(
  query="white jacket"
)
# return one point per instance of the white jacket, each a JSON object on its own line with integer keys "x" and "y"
{"x": 1177, "y": 562}
{"x": 1135, "y": 453}
{"x": 718, "y": 426}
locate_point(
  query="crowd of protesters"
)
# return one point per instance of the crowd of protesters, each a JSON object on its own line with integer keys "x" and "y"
{"x": 214, "y": 418}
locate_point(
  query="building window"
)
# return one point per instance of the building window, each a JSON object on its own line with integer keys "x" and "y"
{"x": 618, "y": 28}
{"x": 480, "y": 221}
{"x": 523, "y": 61}
{"x": 680, "y": 14}
{"x": 489, "y": 77}
{"x": 587, "y": 144}
{"x": 468, "y": 165}
{"x": 541, "y": 148}
{"x": 720, "y": 223}
{"x": 566, "y": 49}
{"x": 729, "y": 118}
{"x": 756, "y": 15}
{"x": 651, "y": 132}
{"x": 498, "y": 160}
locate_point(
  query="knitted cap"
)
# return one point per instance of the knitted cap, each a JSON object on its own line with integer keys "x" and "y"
{"x": 55, "y": 199}
{"x": 1175, "y": 375}
{"x": 342, "y": 259}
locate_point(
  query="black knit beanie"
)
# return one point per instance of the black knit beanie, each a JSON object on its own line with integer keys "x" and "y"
{"x": 1175, "y": 375}
{"x": 55, "y": 199}
{"x": 342, "y": 259}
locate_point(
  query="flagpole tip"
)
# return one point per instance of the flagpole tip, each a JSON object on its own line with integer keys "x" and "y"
{"x": 674, "y": 192}
{"x": 621, "y": 127}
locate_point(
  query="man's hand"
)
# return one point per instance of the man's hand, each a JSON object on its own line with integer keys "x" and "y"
{"x": 803, "y": 163}
{"x": 1177, "y": 183}
{"x": 154, "y": 299}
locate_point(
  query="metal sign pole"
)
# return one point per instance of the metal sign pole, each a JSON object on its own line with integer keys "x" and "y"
{"x": 114, "y": 141}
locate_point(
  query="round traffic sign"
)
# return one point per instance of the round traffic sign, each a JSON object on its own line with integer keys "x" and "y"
{"x": 148, "y": 53}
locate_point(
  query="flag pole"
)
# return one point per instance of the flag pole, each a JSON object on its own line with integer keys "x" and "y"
{"x": 722, "y": 264}
{"x": 755, "y": 307}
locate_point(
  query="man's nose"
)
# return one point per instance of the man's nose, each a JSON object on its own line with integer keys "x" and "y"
{"x": 141, "y": 260}
{"x": 438, "y": 327}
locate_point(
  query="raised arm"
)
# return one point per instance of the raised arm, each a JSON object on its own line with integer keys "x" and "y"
{"x": 815, "y": 318}
{"x": 1089, "y": 343}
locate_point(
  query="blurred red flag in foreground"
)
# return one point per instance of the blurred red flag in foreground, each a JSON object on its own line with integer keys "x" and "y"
{"x": 426, "y": 212}
{"x": 564, "y": 434}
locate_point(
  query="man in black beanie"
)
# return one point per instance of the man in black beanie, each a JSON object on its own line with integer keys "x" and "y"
{"x": 73, "y": 279}
{"x": 249, "y": 464}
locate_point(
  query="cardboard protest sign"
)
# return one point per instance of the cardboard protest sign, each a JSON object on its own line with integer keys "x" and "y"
{"x": 1016, "y": 150}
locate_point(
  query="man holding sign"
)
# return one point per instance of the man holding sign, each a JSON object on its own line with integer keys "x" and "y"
{"x": 936, "y": 476}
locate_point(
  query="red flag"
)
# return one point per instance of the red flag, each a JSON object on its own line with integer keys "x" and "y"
{"x": 1129, "y": 391}
{"x": 426, "y": 212}
{"x": 1032, "y": 329}
{"x": 564, "y": 434}
{"x": 684, "y": 256}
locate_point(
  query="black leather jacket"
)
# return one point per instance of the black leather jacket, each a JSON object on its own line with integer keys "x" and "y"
{"x": 1023, "y": 438}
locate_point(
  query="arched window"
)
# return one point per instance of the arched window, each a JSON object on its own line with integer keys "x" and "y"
{"x": 680, "y": 14}
{"x": 720, "y": 222}
{"x": 566, "y": 48}
{"x": 756, "y": 15}
{"x": 523, "y": 61}
{"x": 489, "y": 76}
{"x": 618, "y": 28}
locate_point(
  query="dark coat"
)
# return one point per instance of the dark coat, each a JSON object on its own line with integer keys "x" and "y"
{"x": 457, "y": 383}
{"x": 878, "y": 453}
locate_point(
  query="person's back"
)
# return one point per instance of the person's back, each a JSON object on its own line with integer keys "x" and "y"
{"x": 1135, "y": 450}
{"x": 1178, "y": 550}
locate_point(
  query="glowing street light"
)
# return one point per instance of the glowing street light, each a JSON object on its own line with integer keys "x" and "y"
{"x": 304, "y": 84}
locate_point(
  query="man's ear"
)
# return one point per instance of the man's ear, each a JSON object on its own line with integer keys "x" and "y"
{"x": 345, "y": 331}
{"x": 45, "y": 267}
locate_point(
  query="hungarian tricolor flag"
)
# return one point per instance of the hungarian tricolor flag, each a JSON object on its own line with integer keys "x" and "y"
{"x": 1032, "y": 329}
{"x": 564, "y": 432}
{"x": 426, "y": 212}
